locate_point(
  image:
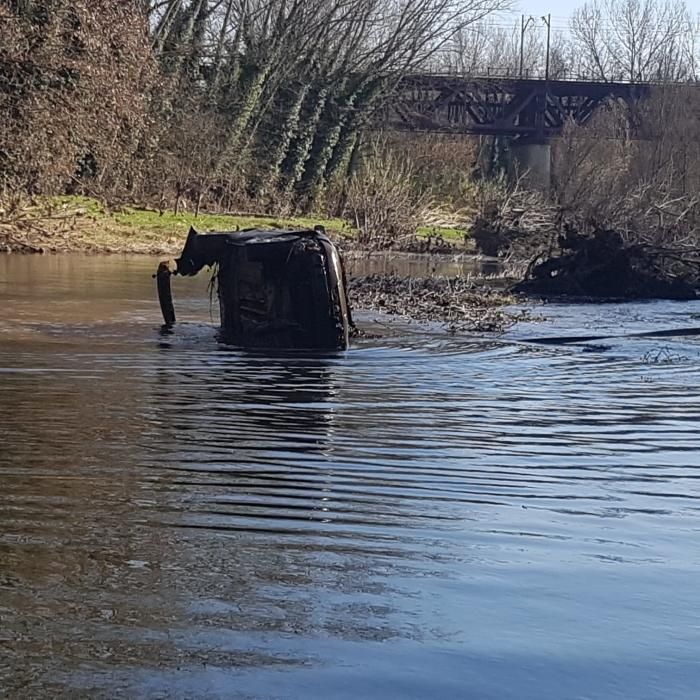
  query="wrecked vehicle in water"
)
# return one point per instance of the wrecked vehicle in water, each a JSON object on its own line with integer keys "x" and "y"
{"x": 276, "y": 288}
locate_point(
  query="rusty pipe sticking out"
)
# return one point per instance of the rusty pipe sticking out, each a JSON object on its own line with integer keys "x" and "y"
{"x": 166, "y": 269}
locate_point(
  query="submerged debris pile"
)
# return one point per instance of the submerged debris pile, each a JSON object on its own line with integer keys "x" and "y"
{"x": 603, "y": 264}
{"x": 455, "y": 302}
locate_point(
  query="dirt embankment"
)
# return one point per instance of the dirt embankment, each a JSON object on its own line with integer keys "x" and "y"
{"x": 79, "y": 231}
{"x": 85, "y": 225}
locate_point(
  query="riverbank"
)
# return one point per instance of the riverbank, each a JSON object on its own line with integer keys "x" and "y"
{"x": 84, "y": 225}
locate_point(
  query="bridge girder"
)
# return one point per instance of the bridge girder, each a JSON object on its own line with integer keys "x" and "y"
{"x": 523, "y": 109}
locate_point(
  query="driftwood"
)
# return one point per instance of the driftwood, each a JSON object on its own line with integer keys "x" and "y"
{"x": 276, "y": 289}
{"x": 603, "y": 265}
{"x": 456, "y": 304}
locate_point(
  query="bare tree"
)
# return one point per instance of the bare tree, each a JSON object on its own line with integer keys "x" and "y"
{"x": 641, "y": 180}
{"x": 489, "y": 48}
{"x": 271, "y": 95}
{"x": 633, "y": 40}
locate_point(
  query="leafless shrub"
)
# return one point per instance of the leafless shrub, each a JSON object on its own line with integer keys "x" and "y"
{"x": 184, "y": 163}
{"x": 382, "y": 201}
{"x": 441, "y": 163}
{"x": 638, "y": 174}
{"x": 512, "y": 221}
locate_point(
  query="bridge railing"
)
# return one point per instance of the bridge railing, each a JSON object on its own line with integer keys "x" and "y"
{"x": 505, "y": 73}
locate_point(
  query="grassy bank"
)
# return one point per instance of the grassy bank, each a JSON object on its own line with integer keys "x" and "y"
{"x": 82, "y": 224}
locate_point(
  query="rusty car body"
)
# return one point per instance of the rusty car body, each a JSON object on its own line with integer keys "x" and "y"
{"x": 276, "y": 288}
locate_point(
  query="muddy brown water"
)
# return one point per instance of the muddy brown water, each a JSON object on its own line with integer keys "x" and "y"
{"x": 423, "y": 516}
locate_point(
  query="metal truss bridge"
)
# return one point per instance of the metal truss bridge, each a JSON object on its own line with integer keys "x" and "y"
{"x": 527, "y": 109}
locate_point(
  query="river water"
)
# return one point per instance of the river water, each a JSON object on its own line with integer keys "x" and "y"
{"x": 423, "y": 516}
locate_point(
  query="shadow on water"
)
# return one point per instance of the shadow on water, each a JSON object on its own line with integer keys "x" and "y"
{"x": 275, "y": 434}
{"x": 422, "y": 516}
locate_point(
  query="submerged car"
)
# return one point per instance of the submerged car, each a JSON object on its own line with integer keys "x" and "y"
{"x": 276, "y": 288}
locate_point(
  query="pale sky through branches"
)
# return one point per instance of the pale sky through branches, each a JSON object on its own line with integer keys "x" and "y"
{"x": 563, "y": 9}
{"x": 560, "y": 8}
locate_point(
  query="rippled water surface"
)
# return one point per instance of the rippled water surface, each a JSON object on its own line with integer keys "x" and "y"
{"x": 420, "y": 517}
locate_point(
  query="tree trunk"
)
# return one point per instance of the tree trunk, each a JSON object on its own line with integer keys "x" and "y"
{"x": 218, "y": 54}
{"x": 245, "y": 111}
{"x": 299, "y": 151}
{"x": 275, "y": 142}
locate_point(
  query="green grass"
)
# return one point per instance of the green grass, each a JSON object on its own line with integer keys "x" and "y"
{"x": 449, "y": 234}
{"x": 133, "y": 228}
{"x": 91, "y": 207}
{"x": 170, "y": 222}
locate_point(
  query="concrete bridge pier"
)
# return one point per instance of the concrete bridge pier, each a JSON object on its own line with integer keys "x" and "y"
{"x": 533, "y": 162}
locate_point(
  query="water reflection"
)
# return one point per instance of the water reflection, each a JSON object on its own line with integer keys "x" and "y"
{"x": 419, "y": 265}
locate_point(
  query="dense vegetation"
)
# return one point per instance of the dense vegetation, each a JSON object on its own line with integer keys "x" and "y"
{"x": 242, "y": 101}
{"x": 266, "y": 106}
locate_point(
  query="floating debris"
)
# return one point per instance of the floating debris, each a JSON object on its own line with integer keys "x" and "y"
{"x": 455, "y": 302}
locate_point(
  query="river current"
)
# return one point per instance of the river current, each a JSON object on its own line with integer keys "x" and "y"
{"x": 423, "y": 516}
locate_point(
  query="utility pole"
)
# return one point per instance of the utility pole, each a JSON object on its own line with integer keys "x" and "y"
{"x": 523, "y": 28}
{"x": 544, "y": 98}
{"x": 548, "y": 21}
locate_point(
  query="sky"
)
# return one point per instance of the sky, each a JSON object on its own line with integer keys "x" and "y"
{"x": 560, "y": 11}
{"x": 559, "y": 8}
